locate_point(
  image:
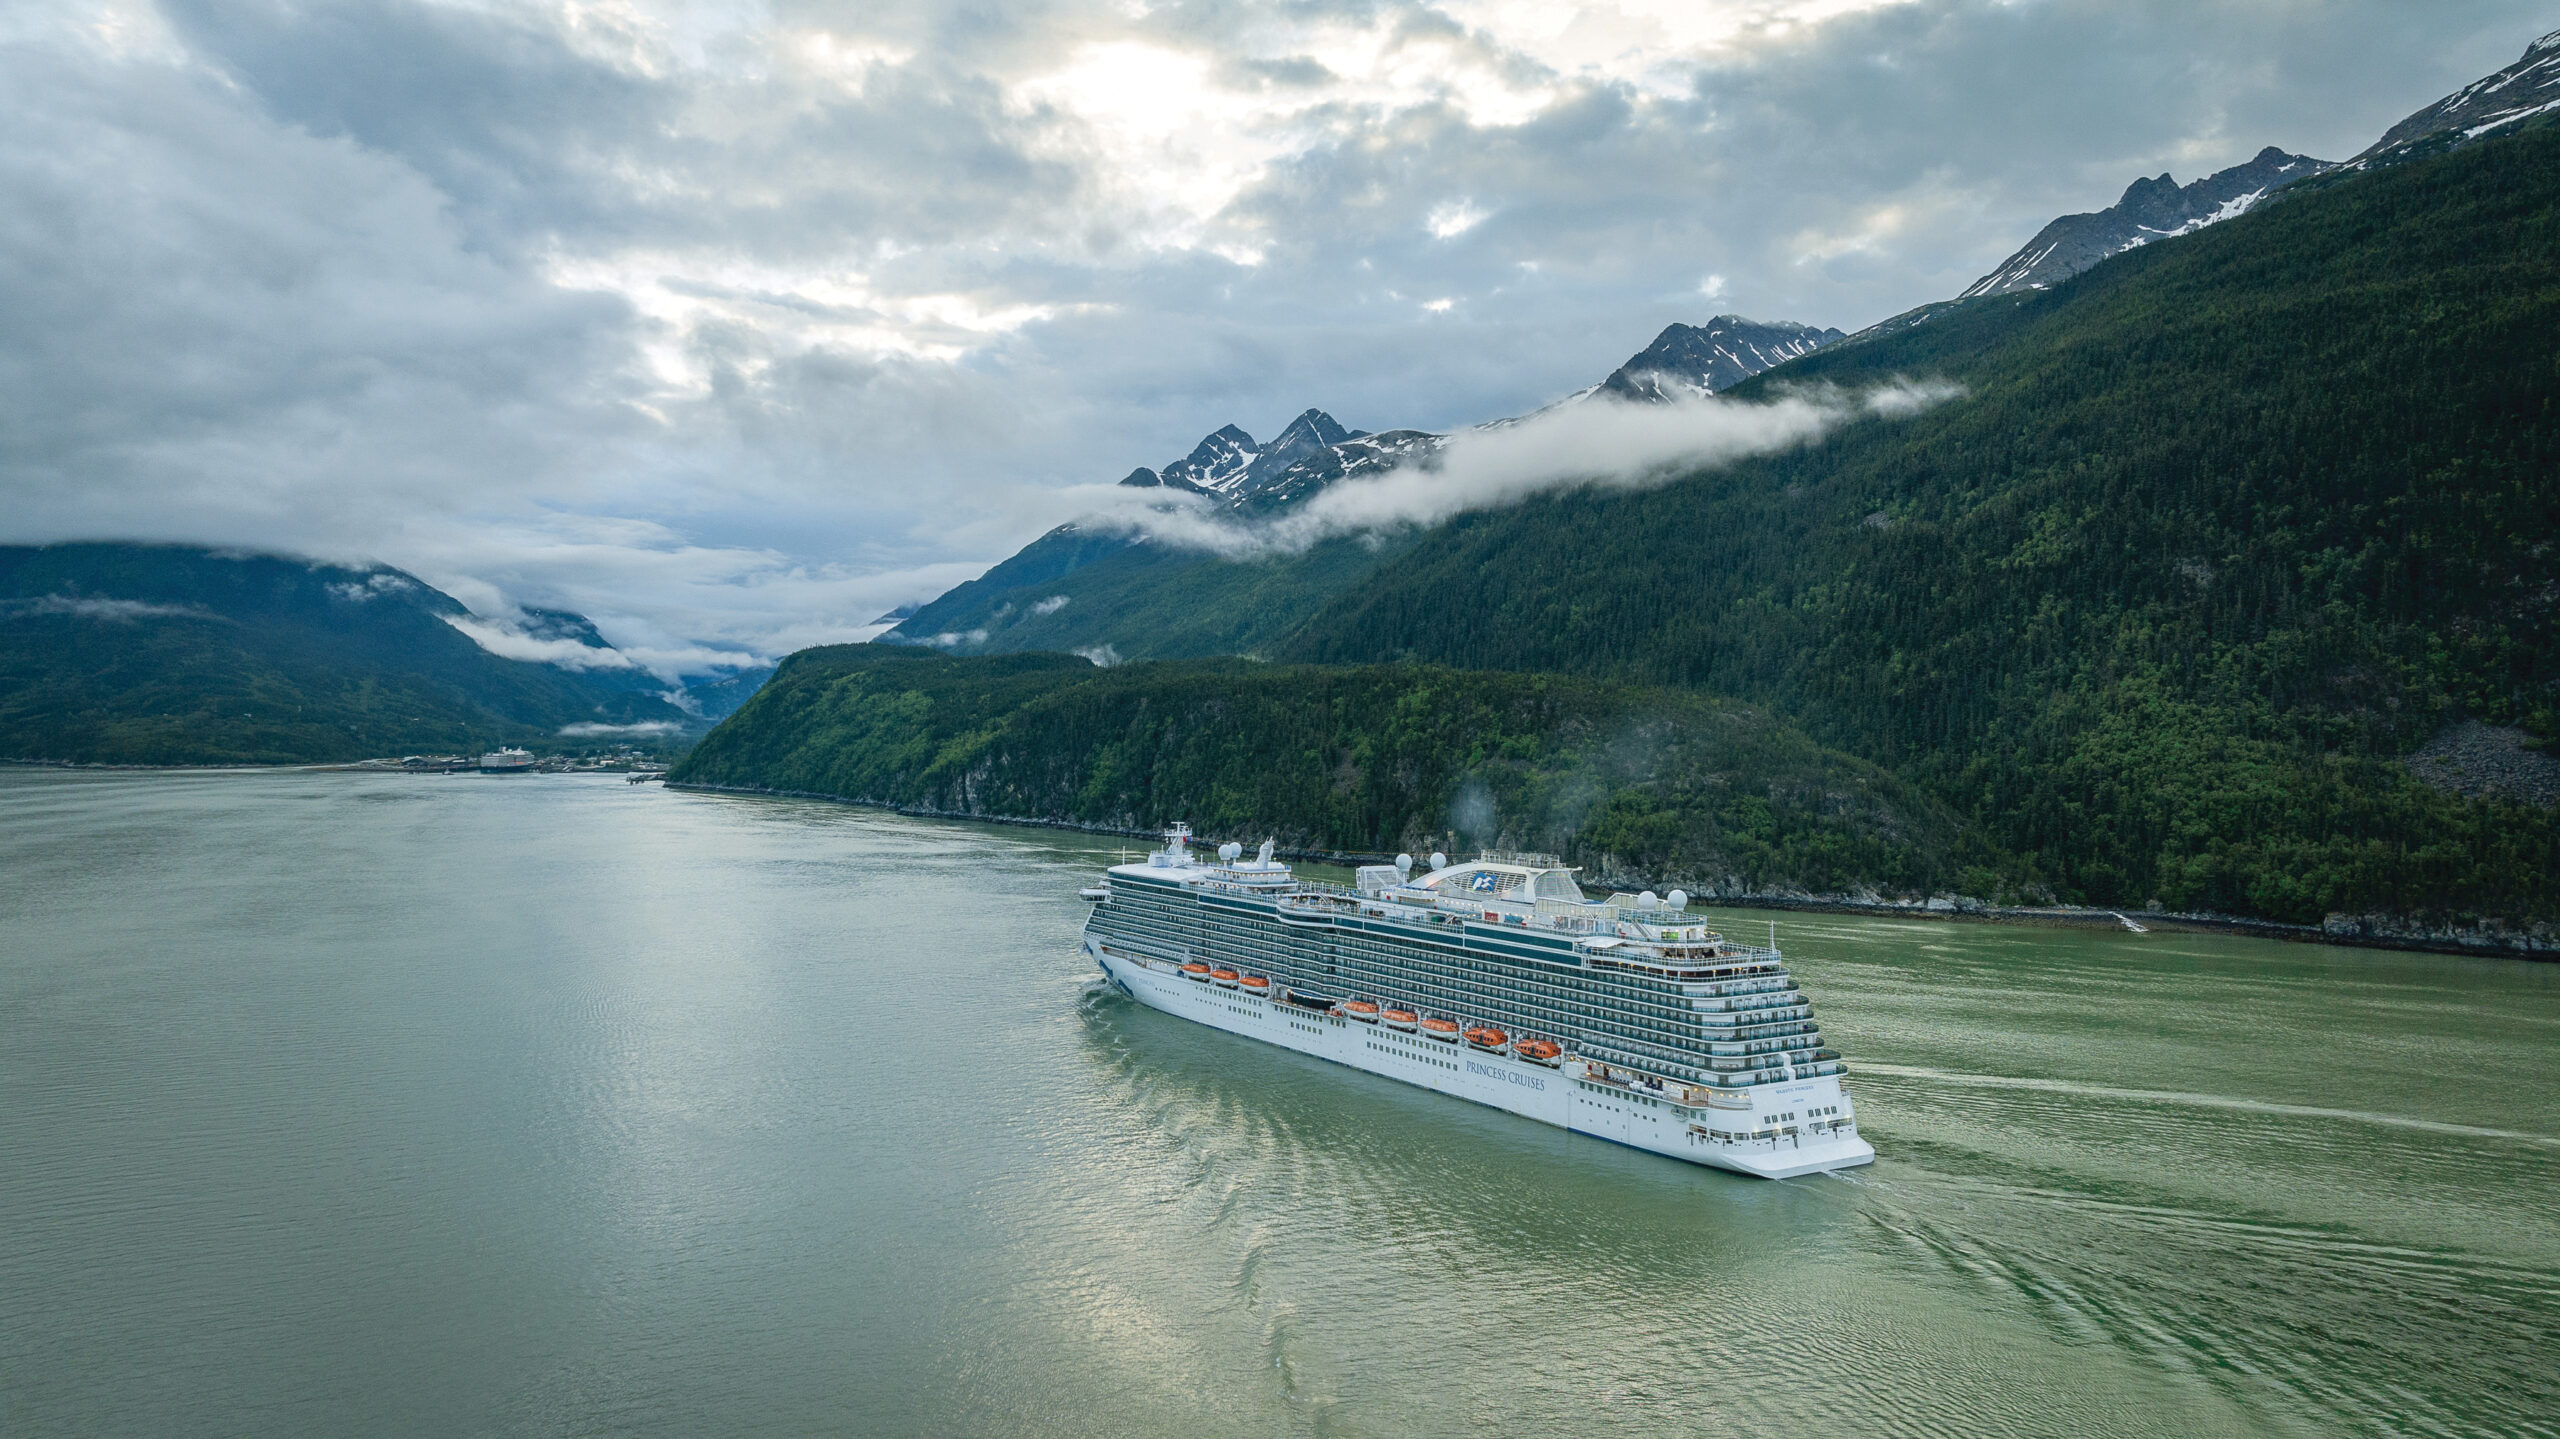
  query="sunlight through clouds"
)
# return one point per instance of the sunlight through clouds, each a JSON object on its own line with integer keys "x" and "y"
{"x": 741, "y": 323}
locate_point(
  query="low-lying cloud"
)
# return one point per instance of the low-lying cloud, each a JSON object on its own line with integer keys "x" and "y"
{"x": 592, "y": 730}
{"x": 86, "y": 607}
{"x": 513, "y": 644}
{"x": 1599, "y": 442}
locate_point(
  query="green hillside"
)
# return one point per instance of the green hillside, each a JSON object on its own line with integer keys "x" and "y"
{"x": 2217, "y": 530}
{"x": 167, "y": 654}
{"x": 1071, "y": 590}
{"x": 1666, "y": 785}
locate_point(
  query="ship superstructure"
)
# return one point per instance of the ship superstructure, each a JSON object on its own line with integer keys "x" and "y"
{"x": 1498, "y": 980}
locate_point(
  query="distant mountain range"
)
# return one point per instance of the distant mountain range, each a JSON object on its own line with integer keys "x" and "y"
{"x": 177, "y": 654}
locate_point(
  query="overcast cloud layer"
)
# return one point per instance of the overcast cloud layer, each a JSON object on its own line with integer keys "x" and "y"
{"x": 734, "y": 325}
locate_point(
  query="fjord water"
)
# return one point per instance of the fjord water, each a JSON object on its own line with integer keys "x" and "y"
{"x": 336, "y": 1104}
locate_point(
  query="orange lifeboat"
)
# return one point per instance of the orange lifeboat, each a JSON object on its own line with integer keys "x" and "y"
{"x": 1438, "y": 1028}
{"x": 1256, "y": 984}
{"x": 1397, "y": 1018}
{"x": 1540, "y": 1051}
{"x": 1224, "y": 978}
{"x": 1196, "y": 970}
{"x": 1487, "y": 1038}
{"x": 1362, "y": 1010}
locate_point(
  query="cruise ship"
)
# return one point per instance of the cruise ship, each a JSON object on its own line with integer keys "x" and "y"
{"x": 1498, "y": 980}
{"x": 507, "y": 761}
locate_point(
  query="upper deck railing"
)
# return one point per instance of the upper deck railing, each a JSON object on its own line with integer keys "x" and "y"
{"x": 1525, "y": 858}
{"x": 1595, "y": 927}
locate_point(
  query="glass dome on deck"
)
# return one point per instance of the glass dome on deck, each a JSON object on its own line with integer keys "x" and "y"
{"x": 1520, "y": 877}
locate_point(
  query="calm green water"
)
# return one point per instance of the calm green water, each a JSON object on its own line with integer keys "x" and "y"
{"x": 337, "y": 1104}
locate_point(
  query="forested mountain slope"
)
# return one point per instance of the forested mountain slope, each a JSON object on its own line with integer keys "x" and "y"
{"x": 1668, "y": 786}
{"x": 2216, "y": 530}
{"x": 173, "y": 654}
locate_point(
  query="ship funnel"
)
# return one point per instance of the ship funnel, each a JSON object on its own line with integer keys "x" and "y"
{"x": 1265, "y": 856}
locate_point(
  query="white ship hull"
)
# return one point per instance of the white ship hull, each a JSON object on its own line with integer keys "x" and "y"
{"x": 1554, "y": 1096}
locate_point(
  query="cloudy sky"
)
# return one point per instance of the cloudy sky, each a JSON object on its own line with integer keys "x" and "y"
{"x": 733, "y": 324}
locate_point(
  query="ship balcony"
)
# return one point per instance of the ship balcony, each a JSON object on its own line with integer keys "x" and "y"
{"x": 1810, "y": 1038}
{"x": 1773, "y": 999}
{"x": 1760, "y": 1033}
{"x": 1750, "y": 1025}
{"x": 1699, "y": 1092}
{"x": 1746, "y": 1019}
{"x": 1776, "y": 1074}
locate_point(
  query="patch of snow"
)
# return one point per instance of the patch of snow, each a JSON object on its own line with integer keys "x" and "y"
{"x": 2476, "y": 131}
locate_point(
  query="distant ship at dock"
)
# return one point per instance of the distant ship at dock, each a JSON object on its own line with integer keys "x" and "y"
{"x": 507, "y": 761}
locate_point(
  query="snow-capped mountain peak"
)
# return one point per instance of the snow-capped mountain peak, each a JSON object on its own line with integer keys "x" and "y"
{"x": 1216, "y": 464}
{"x": 1229, "y": 465}
{"x": 1690, "y": 360}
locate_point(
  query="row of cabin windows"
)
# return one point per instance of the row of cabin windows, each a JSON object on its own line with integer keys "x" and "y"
{"x": 1452, "y": 982}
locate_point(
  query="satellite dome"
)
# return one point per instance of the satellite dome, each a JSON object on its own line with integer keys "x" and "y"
{"x": 1230, "y": 851}
{"x": 1677, "y": 899}
{"x": 1404, "y": 862}
{"x": 1648, "y": 900}
{"x": 1439, "y": 860}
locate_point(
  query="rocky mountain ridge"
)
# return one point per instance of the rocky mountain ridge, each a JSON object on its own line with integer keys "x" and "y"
{"x": 1686, "y": 361}
{"x": 2159, "y": 208}
{"x": 2524, "y": 90}
{"x": 2154, "y": 209}
{"x": 1228, "y": 465}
